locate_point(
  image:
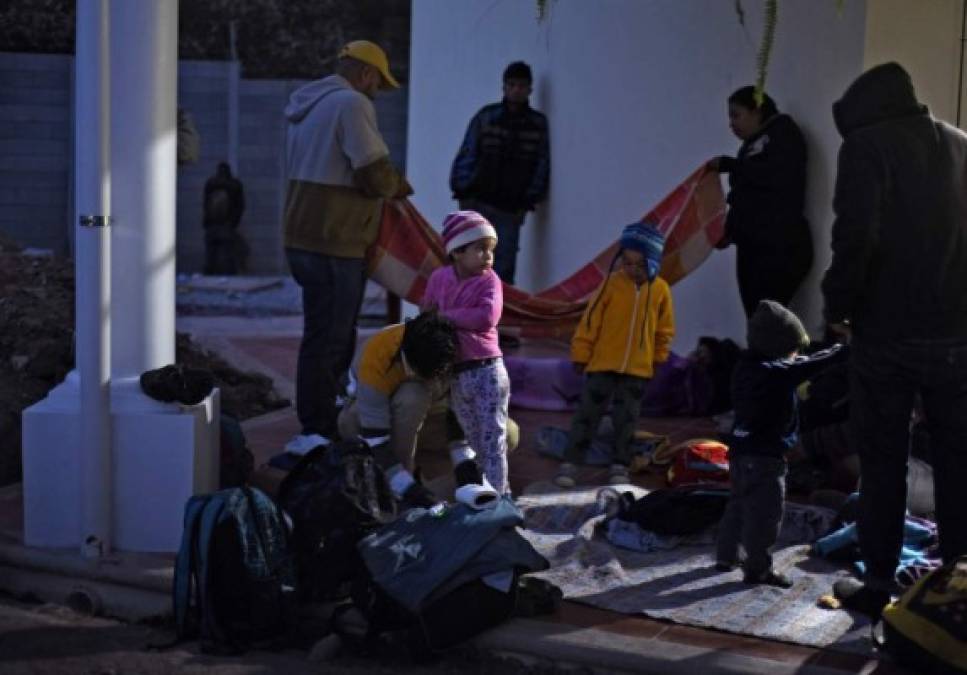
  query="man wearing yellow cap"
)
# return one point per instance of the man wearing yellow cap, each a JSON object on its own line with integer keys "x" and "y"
{"x": 338, "y": 171}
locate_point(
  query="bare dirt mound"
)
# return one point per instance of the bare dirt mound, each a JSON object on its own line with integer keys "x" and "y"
{"x": 37, "y": 349}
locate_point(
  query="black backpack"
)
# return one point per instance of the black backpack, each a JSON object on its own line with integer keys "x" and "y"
{"x": 234, "y": 585}
{"x": 924, "y": 629}
{"x": 236, "y": 460}
{"x": 335, "y": 495}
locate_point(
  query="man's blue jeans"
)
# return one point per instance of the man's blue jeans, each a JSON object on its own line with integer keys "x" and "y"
{"x": 885, "y": 379}
{"x": 332, "y": 294}
{"x": 508, "y": 227}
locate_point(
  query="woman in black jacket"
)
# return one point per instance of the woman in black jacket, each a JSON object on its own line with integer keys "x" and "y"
{"x": 767, "y": 182}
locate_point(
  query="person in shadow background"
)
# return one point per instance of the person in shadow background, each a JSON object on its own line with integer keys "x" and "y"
{"x": 767, "y": 194}
{"x": 225, "y": 249}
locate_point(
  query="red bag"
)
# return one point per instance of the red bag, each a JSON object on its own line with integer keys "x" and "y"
{"x": 699, "y": 460}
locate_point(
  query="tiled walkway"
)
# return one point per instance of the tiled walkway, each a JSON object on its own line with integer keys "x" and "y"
{"x": 266, "y": 435}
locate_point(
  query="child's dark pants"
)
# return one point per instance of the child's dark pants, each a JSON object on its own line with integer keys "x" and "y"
{"x": 600, "y": 388}
{"x": 754, "y": 512}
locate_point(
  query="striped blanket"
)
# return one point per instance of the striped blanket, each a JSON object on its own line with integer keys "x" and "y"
{"x": 408, "y": 249}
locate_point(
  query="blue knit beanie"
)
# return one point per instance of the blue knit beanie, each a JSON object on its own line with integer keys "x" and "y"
{"x": 648, "y": 241}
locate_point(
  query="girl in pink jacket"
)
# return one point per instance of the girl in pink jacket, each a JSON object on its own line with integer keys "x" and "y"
{"x": 468, "y": 292}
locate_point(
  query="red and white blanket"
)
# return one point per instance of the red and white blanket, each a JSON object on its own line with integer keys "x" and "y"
{"x": 408, "y": 249}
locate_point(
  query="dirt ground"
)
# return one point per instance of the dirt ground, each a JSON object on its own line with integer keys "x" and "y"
{"x": 38, "y": 639}
{"x": 37, "y": 349}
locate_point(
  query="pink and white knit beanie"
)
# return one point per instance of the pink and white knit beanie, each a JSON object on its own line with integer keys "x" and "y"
{"x": 464, "y": 227}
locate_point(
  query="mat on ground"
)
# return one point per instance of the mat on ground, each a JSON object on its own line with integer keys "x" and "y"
{"x": 681, "y": 584}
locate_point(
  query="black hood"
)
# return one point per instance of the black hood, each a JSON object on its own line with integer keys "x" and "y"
{"x": 881, "y": 93}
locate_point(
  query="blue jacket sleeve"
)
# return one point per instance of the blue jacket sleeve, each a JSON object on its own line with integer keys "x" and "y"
{"x": 801, "y": 368}
{"x": 464, "y": 167}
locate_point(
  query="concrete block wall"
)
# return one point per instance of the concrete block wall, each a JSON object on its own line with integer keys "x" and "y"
{"x": 36, "y": 146}
{"x": 36, "y": 132}
{"x": 203, "y": 91}
{"x": 261, "y": 165}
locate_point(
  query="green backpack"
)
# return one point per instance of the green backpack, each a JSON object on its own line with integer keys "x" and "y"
{"x": 926, "y": 628}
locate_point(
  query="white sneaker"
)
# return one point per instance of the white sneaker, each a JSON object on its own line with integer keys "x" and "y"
{"x": 478, "y": 497}
{"x": 351, "y": 384}
{"x": 303, "y": 443}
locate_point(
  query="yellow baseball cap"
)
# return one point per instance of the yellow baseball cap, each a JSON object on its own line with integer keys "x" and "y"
{"x": 371, "y": 53}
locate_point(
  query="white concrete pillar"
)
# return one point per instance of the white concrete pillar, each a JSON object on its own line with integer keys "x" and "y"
{"x": 92, "y": 120}
{"x": 144, "y": 76}
{"x": 160, "y": 454}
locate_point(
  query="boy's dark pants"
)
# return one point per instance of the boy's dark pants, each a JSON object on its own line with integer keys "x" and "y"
{"x": 599, "y": 390}
{"x": 754, "y": 512}
{"x": 885, "y": 378}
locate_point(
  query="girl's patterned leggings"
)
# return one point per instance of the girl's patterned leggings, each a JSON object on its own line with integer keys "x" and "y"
{"x": 480, "y": 398}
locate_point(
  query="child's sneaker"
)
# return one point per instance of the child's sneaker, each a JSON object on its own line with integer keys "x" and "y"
{"x": 618, "y": 474}
{"x": 303, "y": 443}
{"x": 770, "y": 578}
{"x": 419, "y": 496}
{"x": 567, "y": 475}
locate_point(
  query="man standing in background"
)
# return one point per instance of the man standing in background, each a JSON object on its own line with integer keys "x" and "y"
{"x": 502, "y": 168}
{"x": 898, "y": 285}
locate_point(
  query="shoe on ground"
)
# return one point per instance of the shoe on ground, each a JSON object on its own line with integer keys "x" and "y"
{"x": 304, "y": 443}
{"x": 725, "y": 566}
{"x": 859, "y": 597}
{"x": 567, "y": 475}
{"x": 419, "y": 496}
{"x": 618, "y": 475}
{"x": 770, "y": 578}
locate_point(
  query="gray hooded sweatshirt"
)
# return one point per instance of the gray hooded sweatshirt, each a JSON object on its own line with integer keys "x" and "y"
{"x": 338, "y": 170}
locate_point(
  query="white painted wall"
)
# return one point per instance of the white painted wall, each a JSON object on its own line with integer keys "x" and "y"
{"x": 635, "y": 92}
{"x": 925, "y": 38}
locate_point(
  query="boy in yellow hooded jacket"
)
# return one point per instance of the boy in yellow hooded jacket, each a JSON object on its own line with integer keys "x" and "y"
{"x": 626, "y": 329}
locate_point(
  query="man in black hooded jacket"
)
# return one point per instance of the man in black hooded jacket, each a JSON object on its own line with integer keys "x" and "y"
{"x": 898, "y": 283}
